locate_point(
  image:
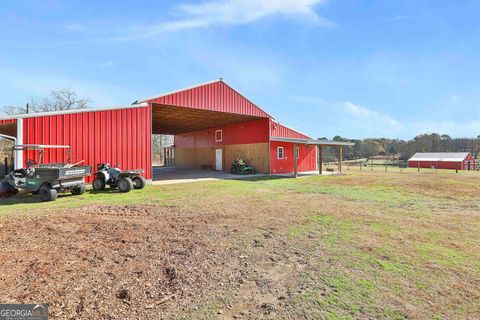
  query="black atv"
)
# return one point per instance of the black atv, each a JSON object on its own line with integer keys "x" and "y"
{"x": 116, "y": 178}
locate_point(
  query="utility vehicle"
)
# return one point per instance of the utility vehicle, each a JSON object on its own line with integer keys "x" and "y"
{"x": 45, "y": 179}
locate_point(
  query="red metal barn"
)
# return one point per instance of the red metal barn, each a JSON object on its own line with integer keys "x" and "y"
{"x": 443, "y": 160}
{"x": 119, "y": 136}
{"x": 212, "y": 124}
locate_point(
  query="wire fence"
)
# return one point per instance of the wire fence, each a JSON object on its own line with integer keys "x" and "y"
{"x": 394, "y": 167}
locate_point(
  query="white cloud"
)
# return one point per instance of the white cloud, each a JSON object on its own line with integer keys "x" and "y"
{"x": 355, "y": 121}
{"x": 467, "y": 128}
{"x": 246, "y": 11}
{"x": 369, "y": 117}
{"x": 231, "y": 12}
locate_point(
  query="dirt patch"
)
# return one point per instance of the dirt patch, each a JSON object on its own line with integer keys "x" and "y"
{"x": 106, "y": 262}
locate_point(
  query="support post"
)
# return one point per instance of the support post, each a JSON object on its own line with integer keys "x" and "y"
{"x": 295, "y": 173}
{"x": 320, "y": 160}
{"x": 195, "y": 150}
{"x": 18, "y": 161}
{"x": 340, "y": 150}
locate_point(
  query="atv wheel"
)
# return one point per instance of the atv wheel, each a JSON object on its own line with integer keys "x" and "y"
{"x": 79, "y": 190}
{"x": 47, "y": 194}
{"x": 98, "y": 184}
{"x": 139, "y": 182}
{"x": 125, "y": 184}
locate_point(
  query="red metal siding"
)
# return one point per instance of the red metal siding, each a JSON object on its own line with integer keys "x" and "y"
{"x": 281, "y": 131}
{"x": 461, "y": 165}
{"x": 216, "y": 96}
{"x": 307, "y": 157}
{"x": 306, "y": 160}
{"x": 255, "y": 131}
{"x": 116, "y": 136}
{"x": 439, "y": 165}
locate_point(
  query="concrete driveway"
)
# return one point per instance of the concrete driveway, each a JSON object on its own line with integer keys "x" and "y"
{"x": 169, "y": 175}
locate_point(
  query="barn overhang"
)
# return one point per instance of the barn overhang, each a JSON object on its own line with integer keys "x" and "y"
{"x": 315, "y": 142}
{"x": 318, "y": 144}
{"x": 9, "y": 129}
{"x": 169, "y": 119}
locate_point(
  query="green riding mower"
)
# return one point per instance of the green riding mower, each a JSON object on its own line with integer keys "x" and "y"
{"x": 239, "y": 166}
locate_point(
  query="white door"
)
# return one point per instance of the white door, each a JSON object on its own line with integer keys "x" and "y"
{"x": 218, "y": 159}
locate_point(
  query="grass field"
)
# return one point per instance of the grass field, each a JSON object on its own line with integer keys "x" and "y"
{"x": 366, "y": 245}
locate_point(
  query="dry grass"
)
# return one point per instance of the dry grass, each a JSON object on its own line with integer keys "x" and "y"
{"x": 360, "y": 246}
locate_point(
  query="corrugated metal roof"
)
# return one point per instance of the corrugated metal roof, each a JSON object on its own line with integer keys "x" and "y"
{"x": 312, "y": 141}
{"x": 176, "y": 91}
{"x": 214, "y": 96}
{"x": 439, "y": 156}
{"x": 279, "y": 130}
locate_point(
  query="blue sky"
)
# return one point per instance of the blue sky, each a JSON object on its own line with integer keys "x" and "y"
{"x": 355, "y": 68}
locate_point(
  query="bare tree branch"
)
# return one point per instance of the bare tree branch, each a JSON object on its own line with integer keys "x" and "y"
{"x": 59, "y": 100}
{"x": 10, "y": 110}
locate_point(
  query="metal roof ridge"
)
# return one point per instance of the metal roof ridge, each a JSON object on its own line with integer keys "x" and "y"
{"x": 179, "y": 90}
{"x": 204, "y": 84}
{"x": 245, "y": 97}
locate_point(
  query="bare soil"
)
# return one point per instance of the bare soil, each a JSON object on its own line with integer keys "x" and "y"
{"x": 108, "y": 262}
{"x": 133, "y": 261}
{"x": 312, "y": 248}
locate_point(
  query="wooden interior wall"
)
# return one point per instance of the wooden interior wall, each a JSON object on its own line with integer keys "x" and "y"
{"x": 201, "y": 157}
{"x": 256, "y": 154}
{"x": 185, "y": 157}
{"x": 205, "y": 158}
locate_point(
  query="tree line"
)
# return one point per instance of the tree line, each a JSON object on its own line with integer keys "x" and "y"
{"x": 403, "y": 149}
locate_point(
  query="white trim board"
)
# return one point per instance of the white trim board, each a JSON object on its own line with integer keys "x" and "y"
{"x": 54, "y": 113}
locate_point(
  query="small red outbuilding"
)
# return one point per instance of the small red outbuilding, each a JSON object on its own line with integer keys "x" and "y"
{"x": 443, "y": 160}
